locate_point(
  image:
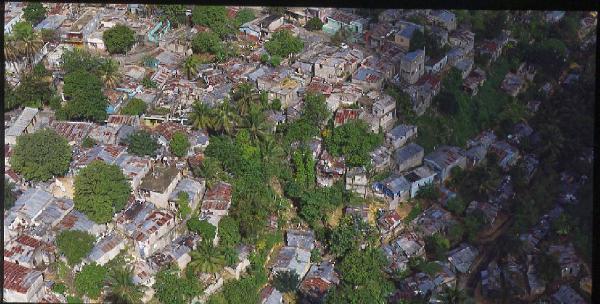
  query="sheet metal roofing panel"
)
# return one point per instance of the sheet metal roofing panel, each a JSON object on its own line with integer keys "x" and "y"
{"x": 33, "y": 201}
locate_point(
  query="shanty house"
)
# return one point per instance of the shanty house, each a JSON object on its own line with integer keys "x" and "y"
{"x": 157, "y": 185}
{"x": 444, "y": 158}
{"x": 21, "y": 284}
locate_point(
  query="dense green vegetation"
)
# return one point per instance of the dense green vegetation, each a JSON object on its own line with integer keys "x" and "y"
{"x": 314, "y": 24}
{"x": 135, "y": 106}
{"x": 34, "y": 13}
{"x": 354, "y": 141}
{"x": 101, "y": 190}
{"x": 142, "y": 143}
{"x": 173, "y": 287}
{"x": 75, "y": 245}
{"x": 286, "y": 281}
{"x": 85, "y": 76}
{"x": 215, "y": 18}
{"x": 90, "y": 279}
{"x": 179, "y": 144}
{"x": 283, "y": 43}
{"x": 119, "y": 39}
{"x": 41, "y": 155}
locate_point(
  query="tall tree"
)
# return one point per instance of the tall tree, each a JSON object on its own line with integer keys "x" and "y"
{"x": 119, "y": 39}
{"x": 9, "y": 196}
{"x": 256, "y": 125}
{"x": 142, "y": 143}
{"x": 135, "y": 106}
{"x": 75, "y": 245}
{"x": 225, "y": 117}
{"x": 213, "y": 17}
{"x": 110, "y": 73}
{"x": 179, "y": 144}
{"x": 171, "y": 287}
{"x": 89, "y": 281}
{"x": 283, "y": 43}
{"x": 41, "y": 155}
{"x": 120, "y": 282}
{"x": 34, "y": 13}
{"x": 453, "y": 295}
{"x": 86, "y": 100}
{"x": 245, "y": 96}
{"x": 28, "y": 42}
{"x": 205, "y": 260}
{"x": 286, "y": 281}
{"x": 101, "y": 190}
{"x": 190, "y": 67}
{"x": 201, "y": 116}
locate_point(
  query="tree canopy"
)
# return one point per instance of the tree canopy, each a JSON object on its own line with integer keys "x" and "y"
{"x": 142, "y": 143}
{"x": 34, "y": 89}
{"x": 101, "y": 190}
{"x": 171, "y": 287}
{"x": 135, "y": 106}
{"x": 314, "y": 24}
{"x": 203, "y": 228}
{"x": 175, "y": 13}
{"x": 286, "y": 281}
{"x": 417, "y": 41}
{"x": 86, "y": 100}
{"x": 208, "y": 42}
{"x": 179, "y": 144}
{"x": 215, "y": 18}
{"x": 41, "y": 155}
{"x": 9, "y": 196}
{"x": 34, "y": 12}
{"x": 229, "y": 232}
{"x": 119, "y": 39}
{"x": 75, "y": 245}
{"x": 283, "y": 43}
{"x": 90, "y": 280}
{"x": 244, "y": 15}
{"x": 354, "y": 141}
{"x": 363, "y": 280}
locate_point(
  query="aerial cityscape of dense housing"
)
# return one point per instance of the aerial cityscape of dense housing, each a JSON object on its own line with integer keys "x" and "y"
{"x": 223, "y": 154}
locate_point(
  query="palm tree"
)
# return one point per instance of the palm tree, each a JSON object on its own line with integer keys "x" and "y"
{"x": 245, "y": 96}
{"x": 269, "y": 150}
{"x": 224, "y": 117}
{"x": 255, "y": 123}
{"x": 190, "y": 66}
{"x": 453, "y": 295}
{"x": 28, "y": 46}
{"x": 122, "y": 288}
{"x": 201, "y": 116}
{"x": 11, "y": 53}
{"x": 206, "y": 260}
{"x": 110, "y": 73}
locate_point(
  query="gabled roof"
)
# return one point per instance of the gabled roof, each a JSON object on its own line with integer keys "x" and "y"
{"x": 192, "y": 187}
{"x": 218, "y": 197}
{"x": 32, "y": 202}
{"x": 300, "y": 238}
{"x": 400, "y": 131}
{"x": 76, "y": 220}
{"x": 105, "y": 245}
{"x": 445, "y": 156}
{"x": 22, "y": 121}
{"x": 18, "y": 278}
{"x": 462, "y": 257}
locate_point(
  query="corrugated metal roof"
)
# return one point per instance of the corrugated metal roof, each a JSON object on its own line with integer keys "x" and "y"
{"x": 22, "y": 122}
{"x": 33, "y": 201}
